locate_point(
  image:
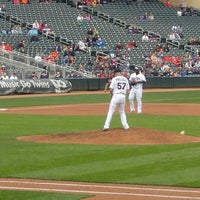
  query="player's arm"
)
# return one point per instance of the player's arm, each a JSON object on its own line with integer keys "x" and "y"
{"x": 111, "y": 92}
{"x": 142, "y": 81}
{"x": 133, "y": 81}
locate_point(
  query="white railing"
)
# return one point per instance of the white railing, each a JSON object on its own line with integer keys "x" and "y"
{"x": 27, "y": 63}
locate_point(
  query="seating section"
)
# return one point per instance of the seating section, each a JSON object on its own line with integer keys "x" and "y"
{"x": 63, "y": 19}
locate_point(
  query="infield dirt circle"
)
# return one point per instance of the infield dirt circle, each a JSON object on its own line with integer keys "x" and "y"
{"x": 118, "y": 136}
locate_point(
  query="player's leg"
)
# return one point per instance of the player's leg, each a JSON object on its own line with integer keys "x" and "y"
{"x": 131, "y": 100}
{"x": 123, "y": 114}
{"x": 139, "y": 101}
{"x": 106, "y": 86}
{"x": 112, "y": 108}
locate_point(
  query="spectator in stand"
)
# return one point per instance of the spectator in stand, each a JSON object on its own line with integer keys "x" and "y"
{"x": 38, "y": 57}
{"x": 168, "y": 3}
{"x": 33, "y": 75}
{"x": 119, "y": 46}
{"x": 79, "y": 75}
{"x": 46, "y": 28}
{"x": 89, "y": 41}
{"x": 95, "y": 39}
{"x": 131, "y": 45}
{"x": 54, "y": 56}
{"x": 40, "y": 27}
{"x": 100, "y": 43}
{"x": 58, "y": 75}
{"x": 34, "y": 35}
{"x": 4, "y": 76}
{"x": 3, "y": 45}
{"x": 23, "y": 50}
{"x": 81, "y": 67}
{"x": 80, "y": 20}
{"x": 44, "y": 73}
{"x": 95, "y": 32}
{"x": 90, "y": 32}
{"x": 71, "y": 60}
{"x": 144, "y": 17}
{"x": 36, "y": 25}
{"x": 81, "y": 3}
{"x": 14, "y": 76}
{"x": 174, "y": 36}
{"x": 59, "y": 48}
{"x": 66, "y": 60}
{"x": 166, "y": 48}
{"x": 145, "y": 37}
{"x": 8, "y": 47}
{"x": 151, "y": 17}
{"x": 16, "y": 30}
{"x": 93, "y": 3}
{"x": 21, "y": 44}
{"x": 88, "y": 17}
{"x": 130, "y": 29}
{"x": 3, "y": 8}
{"x": 183, "y": 6}
{"x": 158, "y": 48}
{"x": 82, "y": 47}
{"x": 5, "y": 31}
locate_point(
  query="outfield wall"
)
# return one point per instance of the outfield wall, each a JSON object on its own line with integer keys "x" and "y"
{"x": 152, "y": 82}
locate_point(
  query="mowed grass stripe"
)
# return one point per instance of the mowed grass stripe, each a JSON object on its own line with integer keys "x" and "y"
{"x": 164, "y": 97}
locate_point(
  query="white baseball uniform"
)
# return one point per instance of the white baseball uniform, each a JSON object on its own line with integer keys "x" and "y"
{"x": 118, "y": 87}
{"x": 136, "y": 91}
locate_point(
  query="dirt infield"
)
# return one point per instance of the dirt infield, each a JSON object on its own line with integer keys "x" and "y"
{"x": 135, "y": 135}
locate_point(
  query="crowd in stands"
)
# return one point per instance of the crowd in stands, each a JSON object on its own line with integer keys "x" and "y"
{"x": 146, "y": 16}
{"x": 93, "y": 3}
{"x": 13, "y": 30}
{"x": 6, "y": 46}
{"x": 157, "y": 61}
{"x": 194, "y": 41}
{"x": 4, "y": 76}
{"x": 160, "y": 64}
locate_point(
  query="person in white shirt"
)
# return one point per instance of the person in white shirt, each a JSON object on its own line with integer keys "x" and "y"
{"x": 38, "y": 57}
{"x": 80, "y": 18}
{"x": 145, "y": 38}
{"x": 82, "y": 46}
{"x": 13, "y": 76}
{"x": 4, "y": 76}
{"x": 36, "y": 25}
{"x": 118, "y": 89}
{"x": 136, "y": 81}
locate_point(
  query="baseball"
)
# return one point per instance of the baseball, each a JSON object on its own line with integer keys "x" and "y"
{"x": 182, "y": 132}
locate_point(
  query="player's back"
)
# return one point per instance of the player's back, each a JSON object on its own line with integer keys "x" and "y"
{"x": 120, "y": 84}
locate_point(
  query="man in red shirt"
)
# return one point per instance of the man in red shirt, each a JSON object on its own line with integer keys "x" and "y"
{"x": 8, "y": 47}
{"x": 168, "y": 3}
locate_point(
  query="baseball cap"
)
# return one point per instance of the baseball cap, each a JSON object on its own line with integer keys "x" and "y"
{"x": 136, "y": 68}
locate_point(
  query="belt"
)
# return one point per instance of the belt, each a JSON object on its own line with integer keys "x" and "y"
{"x": 120, "y": 93}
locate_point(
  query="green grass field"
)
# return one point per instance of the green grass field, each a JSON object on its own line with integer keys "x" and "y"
{"x": 172, "y": 165}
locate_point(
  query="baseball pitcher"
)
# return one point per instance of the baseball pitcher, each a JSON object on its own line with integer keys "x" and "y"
{"x": 118, "y": 88}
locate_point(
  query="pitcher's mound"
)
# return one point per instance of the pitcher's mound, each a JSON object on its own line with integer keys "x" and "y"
{"x": 118, "y": 136}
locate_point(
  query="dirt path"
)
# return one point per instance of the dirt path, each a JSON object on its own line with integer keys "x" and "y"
{"x": 103, "y": 191}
